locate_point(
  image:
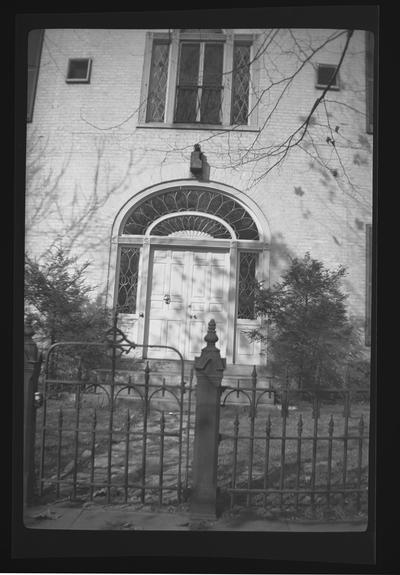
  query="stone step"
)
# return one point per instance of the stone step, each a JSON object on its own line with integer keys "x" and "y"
{"x": 170, "y": 371}
{"x": 174, "y": 366}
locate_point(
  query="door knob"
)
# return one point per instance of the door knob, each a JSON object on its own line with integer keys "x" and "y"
{"x": 141, "y": 314}
{"x": 167, "y": 299}
{"x": 193, "y": 316}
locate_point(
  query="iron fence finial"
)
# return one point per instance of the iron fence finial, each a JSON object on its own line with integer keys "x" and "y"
{"x": 211, "y": 337}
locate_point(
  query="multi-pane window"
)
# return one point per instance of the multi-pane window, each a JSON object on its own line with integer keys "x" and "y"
{"x": 199, "y": 87}
{"x": 158, "y": 82}
{"x": 187, "y": 199}
{"x": 247, "y": 285}
{"x": 35, "y": 40}
{"x": 128, "y": 279}
{"x": 198, "y": 77}
{"x": 369, "y": 80}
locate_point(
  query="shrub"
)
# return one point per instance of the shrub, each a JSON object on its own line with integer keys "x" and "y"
{"x": 58, "y": 306}
{"x": 309, "y": 335}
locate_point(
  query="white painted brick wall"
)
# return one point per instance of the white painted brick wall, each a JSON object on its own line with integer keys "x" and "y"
{"x": 90, "y": 156}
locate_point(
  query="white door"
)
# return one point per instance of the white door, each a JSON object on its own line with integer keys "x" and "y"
{"x": 187, "y": 289}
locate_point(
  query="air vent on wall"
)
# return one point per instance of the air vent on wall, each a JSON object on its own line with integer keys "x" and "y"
{"x": 79, "y": 70}
{"x": 324, "y": 76}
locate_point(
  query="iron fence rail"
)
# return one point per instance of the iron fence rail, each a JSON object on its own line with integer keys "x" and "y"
{"x": 293, "y": 450}
{"x": 124, "y": 438}
{"x": 127, "y": 435}
{"x": 129, "y": 445}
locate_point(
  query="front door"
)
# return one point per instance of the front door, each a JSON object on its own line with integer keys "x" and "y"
{"x": 188, "y": 287}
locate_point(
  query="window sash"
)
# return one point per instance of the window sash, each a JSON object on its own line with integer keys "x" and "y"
{"x": 199, "y": 88}
{"x": 240, "y": 83}
{"x": 156, "y": 97}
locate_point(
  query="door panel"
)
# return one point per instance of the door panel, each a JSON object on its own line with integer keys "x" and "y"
{"x": 167, "y": 313}
{"x": 196, "y": 283}
{"x": 208, "y": 293}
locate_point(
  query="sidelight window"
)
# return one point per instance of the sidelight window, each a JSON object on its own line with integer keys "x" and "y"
{"x": 128, "y": 279}
{"x": 158, "y": 82}
{"x": 247, "y": 284}
{"x": 240, "y": 83}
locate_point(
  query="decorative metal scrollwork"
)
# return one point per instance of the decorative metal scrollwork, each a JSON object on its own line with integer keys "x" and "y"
{"x": 187, "y": 199}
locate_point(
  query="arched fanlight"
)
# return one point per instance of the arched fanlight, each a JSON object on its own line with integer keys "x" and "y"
{"x": 191, "y": 200}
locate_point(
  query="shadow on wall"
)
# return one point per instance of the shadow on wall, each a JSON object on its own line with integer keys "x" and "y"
{"x": 280, "y": 257}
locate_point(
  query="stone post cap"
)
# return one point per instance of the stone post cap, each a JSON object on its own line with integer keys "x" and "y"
{"x": 210, "y": 353}
{"x": 211, "y": 337}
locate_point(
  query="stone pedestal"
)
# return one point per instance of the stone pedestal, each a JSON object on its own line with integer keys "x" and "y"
{"x": 209, "y": 369}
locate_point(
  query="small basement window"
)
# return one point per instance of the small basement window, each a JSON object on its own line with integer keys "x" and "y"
{"x": 324, "y": 76}
{"x": 79, "y": 70}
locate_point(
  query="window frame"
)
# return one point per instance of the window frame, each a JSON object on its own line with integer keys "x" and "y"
{"x": 228, "y": 37}
{"x": 368, "y": 283}
{"x": 85, "y": 80}
{"x": 335, "y": 86}
{"x": 137, "y": 248}
{"x": 369, "y": 80}
{"x": 34, "y": 68}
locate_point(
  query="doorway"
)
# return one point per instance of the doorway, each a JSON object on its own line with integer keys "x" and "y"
{"x": 187, "y": 288}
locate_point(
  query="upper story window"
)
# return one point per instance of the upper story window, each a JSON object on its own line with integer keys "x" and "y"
{"x": 198, "y": 77}
{"x": 35, "y": 41}
{"x": 327, "y": 75}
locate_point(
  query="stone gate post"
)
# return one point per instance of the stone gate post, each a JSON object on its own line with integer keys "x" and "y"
{"x": 209, "y": 368}
{"x": 32, "y": 363}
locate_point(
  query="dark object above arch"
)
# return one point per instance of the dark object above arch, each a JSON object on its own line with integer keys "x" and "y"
{"x": 188, "y": 199}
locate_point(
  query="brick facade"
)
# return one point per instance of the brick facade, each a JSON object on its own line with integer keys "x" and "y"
{"x": 88, "y": 155}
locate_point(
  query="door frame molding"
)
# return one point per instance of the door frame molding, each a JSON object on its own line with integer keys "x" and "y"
{"x": 146, "y": 243}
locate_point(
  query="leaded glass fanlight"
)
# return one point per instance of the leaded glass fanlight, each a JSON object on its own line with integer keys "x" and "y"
{"x": 186, "y": 199}
{"x": 186, "y": 224}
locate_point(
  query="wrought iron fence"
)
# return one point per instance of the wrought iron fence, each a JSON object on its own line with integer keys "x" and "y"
{"x": 113, "y": 435}
{"x": 298, "y": 452}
